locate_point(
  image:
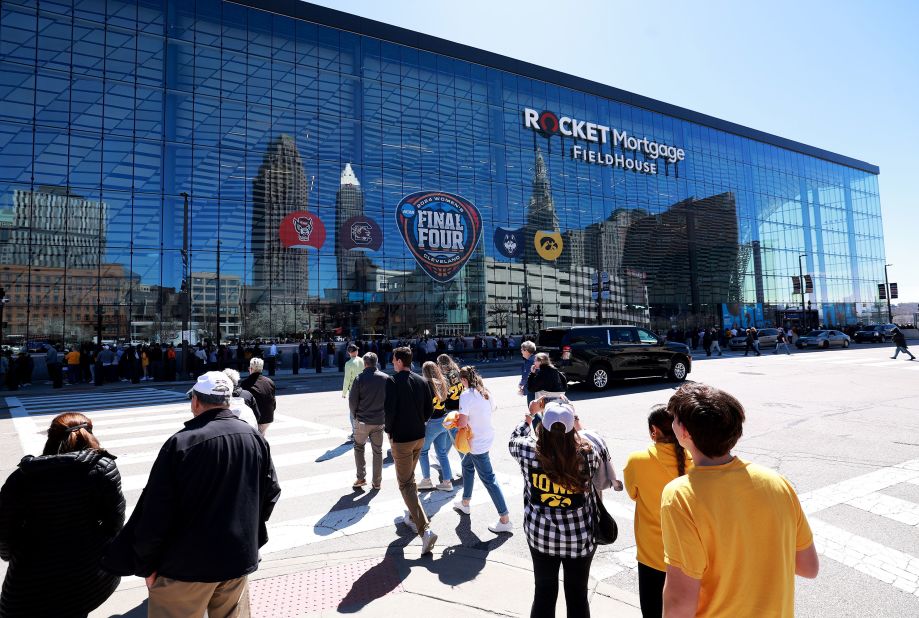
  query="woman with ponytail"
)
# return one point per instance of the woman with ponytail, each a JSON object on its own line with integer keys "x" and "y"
{"x": 646, "y": 474}
{"x": 57, "y": 513}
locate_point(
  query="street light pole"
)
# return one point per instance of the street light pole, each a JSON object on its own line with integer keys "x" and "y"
{"x": 186, "y": 322}
{"x": 887, "y": 287}
{"x": 801, "y": 283}
{"x": 218, "y": 291}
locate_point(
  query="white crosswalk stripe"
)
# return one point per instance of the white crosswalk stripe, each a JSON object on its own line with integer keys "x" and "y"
{"x": 99, "y": 400}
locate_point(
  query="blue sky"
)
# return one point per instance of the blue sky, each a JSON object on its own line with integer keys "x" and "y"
{"x": 843, "y": 76}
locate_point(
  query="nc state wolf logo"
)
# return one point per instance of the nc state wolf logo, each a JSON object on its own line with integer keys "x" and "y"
{"x": 302, "y": 229}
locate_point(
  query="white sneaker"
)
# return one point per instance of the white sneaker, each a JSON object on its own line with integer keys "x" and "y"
{"x": 425, "y": 484}
{"x": 500, "y": 527}
{"x": 407, "y": 520}
{"x": 427, "y": 541}
{"x": 445, "y": 486}
{"x": 462, "y": 508}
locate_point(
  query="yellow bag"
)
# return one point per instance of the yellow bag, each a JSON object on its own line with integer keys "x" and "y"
{"x": 461, "y": 436}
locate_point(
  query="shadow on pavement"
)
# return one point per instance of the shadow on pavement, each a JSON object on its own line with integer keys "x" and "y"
{"x": 582, "y": 392}
{"x": 357, "y": 503}
{"x": 138, "y": 612}
{"x": 338, "y": 451}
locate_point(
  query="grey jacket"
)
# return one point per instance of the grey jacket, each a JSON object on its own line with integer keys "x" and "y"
{"x": 367, "y": 396}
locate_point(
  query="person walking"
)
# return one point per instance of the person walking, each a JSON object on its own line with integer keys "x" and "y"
{"x": 272, "y": 358}
{"x": 545, "y": 377}
{"x": 55, "y": 368}
{"x": 748, "y": 342}
{"x": 528, "y": 352}
{"x": 242, "y": 402}
{"x": 58, "y": 511}
{"x": 558, "y": 505}
{"x": 781, "y": 340}
{"x": 435, "y": 434}
{"x": 728, "y": 525}
{"x": 196, "y": 531}
{"x": 408, "y": 406}
{"x": 353, "y": 368}
{"x": 476, "y": 407}
{"x": 755, "y": 340}
{"x": 899, "y": 340}
{"x": 646, "y": 473}
{"x": 263, "y": 390}
{"x": 366, "y": 400}
{"x": 716, "y": 341}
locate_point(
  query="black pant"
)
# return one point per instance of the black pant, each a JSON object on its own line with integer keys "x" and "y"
{"x": 545, "y": 574}
{"x": 651, "y": 591}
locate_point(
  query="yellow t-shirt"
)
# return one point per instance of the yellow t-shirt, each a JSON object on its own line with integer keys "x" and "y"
{"x": 645, "y": 475}
{"x": 736, "y": 527}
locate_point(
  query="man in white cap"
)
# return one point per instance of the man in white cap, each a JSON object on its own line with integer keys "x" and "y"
{"x": 196, "y": 532}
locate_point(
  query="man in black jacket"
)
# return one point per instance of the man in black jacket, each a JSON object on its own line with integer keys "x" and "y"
{"x": 899, "y": 340}
{"x": 409, "y": 405}
{"x": 366, "y": 399}
{"x": 200, "y": 521}
{"x": 263, "y": 390}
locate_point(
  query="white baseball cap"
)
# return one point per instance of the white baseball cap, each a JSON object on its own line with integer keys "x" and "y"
{"x": 558, "y": 413}
{"x": 213, "y": 383}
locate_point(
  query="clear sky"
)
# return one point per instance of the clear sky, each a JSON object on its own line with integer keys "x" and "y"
{"x": 842, "y": 75}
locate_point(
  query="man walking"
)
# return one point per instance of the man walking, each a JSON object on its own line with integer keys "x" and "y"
{"x": 197, "y": 529}
{"x": 781, "y": 340}
{"x": 353, "y": 368}
{"x": 734, "y": 532}
{"x": 366, "y": 400}
{"x": 899, "y": 340}
{"x": 716, "y": 343}
{"x": 263, "y": 391}
{"x": 409, "y": 404}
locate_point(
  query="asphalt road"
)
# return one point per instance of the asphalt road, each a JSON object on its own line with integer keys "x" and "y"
{"x": 841, "y": 425}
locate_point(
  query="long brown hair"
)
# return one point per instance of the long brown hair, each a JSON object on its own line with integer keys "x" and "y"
{"x": 472, "y": 376}
{"x": 560, "y": 455}
{"x": 70, "y": 431}
{"x": 662, "y": 420}
{"x": 431, "y": 371}
{"x": 449, "y": 368}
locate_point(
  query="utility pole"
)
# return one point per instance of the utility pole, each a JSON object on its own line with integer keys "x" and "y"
{"x": 887, "y": 287}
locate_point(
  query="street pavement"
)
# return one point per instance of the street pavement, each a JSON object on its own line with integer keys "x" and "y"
{"x": 840, "y": 424}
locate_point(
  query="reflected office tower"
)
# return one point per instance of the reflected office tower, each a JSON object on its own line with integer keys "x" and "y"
{"x": 349, "y": 202}
{"x": 67, "y": 230}
{"x": 280, "y": 274}
{"x": 540, "y": 213}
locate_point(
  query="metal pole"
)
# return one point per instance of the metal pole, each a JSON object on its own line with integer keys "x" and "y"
{"x": 801, "y": 282}
{"x": 887, "y": 287}
{"x": 218, "y": 291}
{"x": 186, "y": 322}
{"x": 3, "y": 301}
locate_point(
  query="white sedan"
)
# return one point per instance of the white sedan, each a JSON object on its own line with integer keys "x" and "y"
{"x": 823, "y": 339}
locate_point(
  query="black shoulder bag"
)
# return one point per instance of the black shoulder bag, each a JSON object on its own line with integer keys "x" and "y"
{"x": 605, "y": 529}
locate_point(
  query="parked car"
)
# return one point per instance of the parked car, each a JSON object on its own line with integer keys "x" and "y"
{"x": 768, "y": 338}
{"x": 875, "y": 333}
{"x": 823, "y": 339}
{"x": 598, "y": 354}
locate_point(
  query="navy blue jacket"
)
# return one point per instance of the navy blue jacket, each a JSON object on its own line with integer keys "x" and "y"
{"x": 525, "y": 371}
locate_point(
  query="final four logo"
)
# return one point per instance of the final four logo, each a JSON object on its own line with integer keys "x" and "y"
{"x": 441, "y": 230}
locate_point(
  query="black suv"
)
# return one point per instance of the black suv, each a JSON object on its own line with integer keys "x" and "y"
{"x": 875, "y": 333}
{"x": 597, "y": 354}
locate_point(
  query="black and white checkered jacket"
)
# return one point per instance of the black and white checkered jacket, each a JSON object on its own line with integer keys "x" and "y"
{"x": 556, "y": 521}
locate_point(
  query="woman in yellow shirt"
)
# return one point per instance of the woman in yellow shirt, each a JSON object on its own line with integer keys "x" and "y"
{"x": 646, "y": 474}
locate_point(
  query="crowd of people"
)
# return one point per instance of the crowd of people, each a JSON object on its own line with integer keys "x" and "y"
{"x": 201, "y": 519}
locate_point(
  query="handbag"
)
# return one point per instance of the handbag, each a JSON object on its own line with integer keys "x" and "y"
{"x": 604, "y": 526}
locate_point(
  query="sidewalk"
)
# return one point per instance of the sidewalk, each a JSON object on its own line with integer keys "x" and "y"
{"x": 456, "y": 581}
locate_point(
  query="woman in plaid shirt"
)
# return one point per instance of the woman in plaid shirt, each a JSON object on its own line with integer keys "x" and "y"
{"x": 558, "y": 506}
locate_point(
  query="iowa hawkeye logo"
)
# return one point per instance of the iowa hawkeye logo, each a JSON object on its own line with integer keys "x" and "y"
{"x": 441, "y": 230}
{"x": 548, "y": 245}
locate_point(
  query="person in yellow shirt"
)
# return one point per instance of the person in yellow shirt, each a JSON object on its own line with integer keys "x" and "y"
{"x": 646, "y": 474}
{"x": 734, "y": 532}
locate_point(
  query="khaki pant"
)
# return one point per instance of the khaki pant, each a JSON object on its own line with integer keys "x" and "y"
{"x": 405, "y": 455}
{"x": 171, "y": 598}
{"x": 363, "y": 432}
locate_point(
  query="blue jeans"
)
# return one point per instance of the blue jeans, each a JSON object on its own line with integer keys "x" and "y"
{"x": 481, "y": 464}
{"x": 903, "y": 349}
{"x": 434, "y": 433}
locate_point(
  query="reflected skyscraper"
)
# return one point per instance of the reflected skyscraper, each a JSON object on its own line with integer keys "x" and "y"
{"x": 280, "y": 188}
{"x": 349, "y": 202}
{"x": 540, "y": 214}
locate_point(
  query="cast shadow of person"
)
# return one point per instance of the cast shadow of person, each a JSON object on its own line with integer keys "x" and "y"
{"x": 338, "y": 451}
{"x": 137, "y": 612}
{"x": 350, "y": 509}
{"x": 454, "y": 566}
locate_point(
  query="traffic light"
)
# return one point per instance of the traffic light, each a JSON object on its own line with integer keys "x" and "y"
{"x": 882, "y": 291}
{"x": 893, "y": 290}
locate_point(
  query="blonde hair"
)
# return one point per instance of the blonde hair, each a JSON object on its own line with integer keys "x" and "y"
{"x": 543, "y": 359}
{"x": 431, "y": 371}
{"x": 256, "y": 365}
{"x": 472, "y": 376}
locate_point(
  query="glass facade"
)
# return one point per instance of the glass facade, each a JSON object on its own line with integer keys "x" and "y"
{"x": 153, "y": 151}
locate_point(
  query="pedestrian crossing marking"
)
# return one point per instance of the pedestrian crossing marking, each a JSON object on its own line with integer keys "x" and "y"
{"x": 891, "y": 507}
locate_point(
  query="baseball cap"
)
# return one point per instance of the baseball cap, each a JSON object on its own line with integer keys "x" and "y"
{"x": 558, "y": 413}
{"x": 212, "y": 383}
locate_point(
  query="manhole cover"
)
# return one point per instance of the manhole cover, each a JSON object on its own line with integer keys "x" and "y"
{"x": 340, "y": 586}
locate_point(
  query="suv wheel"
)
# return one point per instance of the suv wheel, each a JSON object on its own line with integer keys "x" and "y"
{"x": 599, "y": 378}
{"x": 678, "y": 370}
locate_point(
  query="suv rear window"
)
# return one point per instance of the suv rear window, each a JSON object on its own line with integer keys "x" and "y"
{"x": 551, "y": 338}
{"x": 589, "y": 336}
{"x": 621, "y": 335}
